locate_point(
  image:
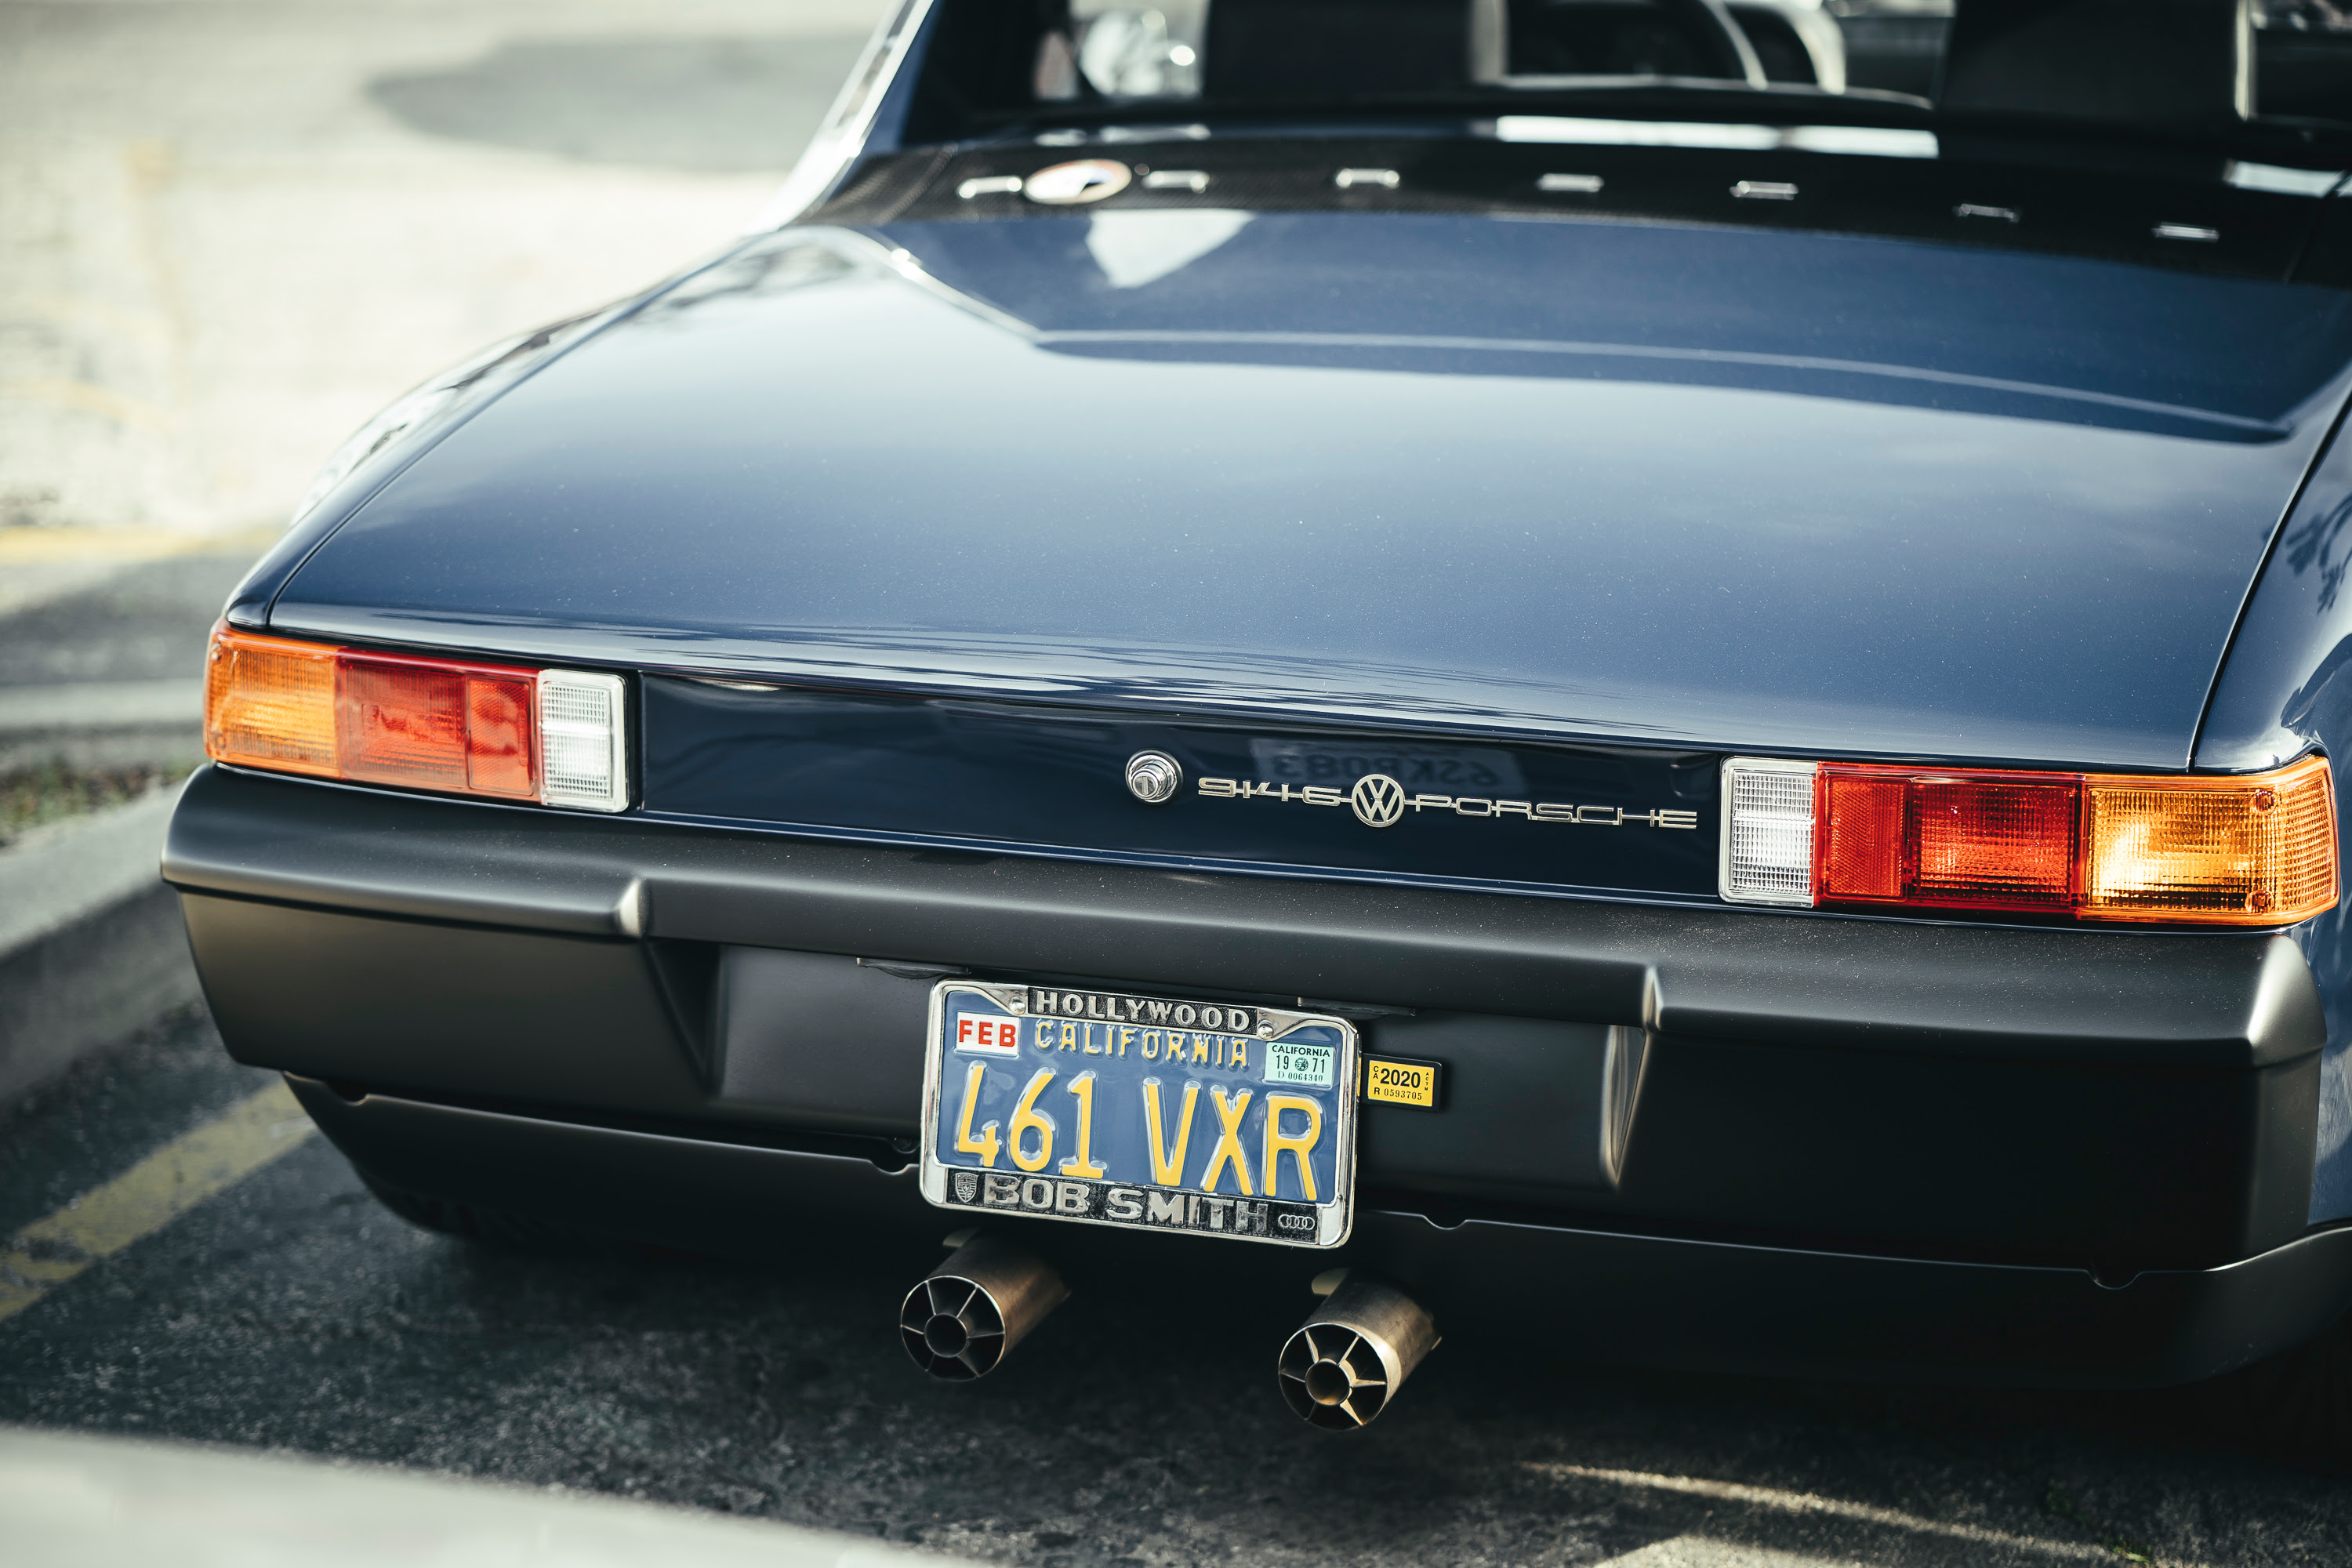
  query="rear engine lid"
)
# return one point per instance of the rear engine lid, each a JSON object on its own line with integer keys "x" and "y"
{"x": 1649, "y": 485}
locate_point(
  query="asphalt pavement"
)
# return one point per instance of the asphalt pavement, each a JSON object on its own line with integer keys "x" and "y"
{"x": 144, "y": 620}
{"x": 1141, "y": 1424}
{"x": 230, "y": 232}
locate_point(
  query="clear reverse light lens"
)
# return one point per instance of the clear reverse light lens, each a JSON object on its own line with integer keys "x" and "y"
{"x": 582, "y": 740}
{"x": 1768, "y": 831}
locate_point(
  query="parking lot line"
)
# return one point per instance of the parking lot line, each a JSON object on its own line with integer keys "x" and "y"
{"x": 1779, "y": 1500}
{"x": 150, "y": 1195}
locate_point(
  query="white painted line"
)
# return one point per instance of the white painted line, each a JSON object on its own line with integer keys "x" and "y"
{"x": 1699, "y": 1551}
{"x": 1835, "y": 1508}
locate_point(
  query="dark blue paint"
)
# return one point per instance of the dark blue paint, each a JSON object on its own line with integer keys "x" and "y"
{"x": 2285, "y": 692}
{"x": 463, "y": 390}
{"x": 1647, "y": 487}
{"x": 812, "y": 467}
{"x": 1772, "y": 311}
{"x": 1015, "y": 775}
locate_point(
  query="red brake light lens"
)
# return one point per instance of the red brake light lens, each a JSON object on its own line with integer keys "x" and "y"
{"x": 429, "y": 724}
{"x": 1982, "y": 840}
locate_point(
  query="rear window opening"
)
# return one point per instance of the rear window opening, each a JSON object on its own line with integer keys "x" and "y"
{"x": 2303, "y": 58}
{"x": 2177, "y": 65}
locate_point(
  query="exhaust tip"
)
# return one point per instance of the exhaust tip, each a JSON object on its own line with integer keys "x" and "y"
{"x": 962, "y": 1319}
{"x": 1334, "y": 1378}
{"x": 1339, "y": 1369}
{"x": 953, "y": 1330}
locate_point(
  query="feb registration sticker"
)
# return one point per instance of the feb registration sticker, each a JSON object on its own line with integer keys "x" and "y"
{"x": 1147, "y": 1112}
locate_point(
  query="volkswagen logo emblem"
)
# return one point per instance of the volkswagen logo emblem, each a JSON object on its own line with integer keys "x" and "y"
{"x": 1069, "y": 184}
{"x": 1379, "y": 800}
{"x": 1152, "y": 777}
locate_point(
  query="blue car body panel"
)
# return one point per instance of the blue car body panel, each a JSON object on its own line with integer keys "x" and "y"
{"x": 1736, "y": 528}
{"x": 2284, "y": 693}
{"x": 1594, "y": 502}
{"x": 1610, "y": 822}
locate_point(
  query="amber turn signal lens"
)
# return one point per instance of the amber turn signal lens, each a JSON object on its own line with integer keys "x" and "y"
{"x": 2239, "y": 851}
{"x": 422, "y": 723}
{"x": 271, "y": 703}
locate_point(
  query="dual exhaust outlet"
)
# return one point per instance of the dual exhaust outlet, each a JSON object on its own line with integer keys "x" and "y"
{"x": 1338, "y": 1370}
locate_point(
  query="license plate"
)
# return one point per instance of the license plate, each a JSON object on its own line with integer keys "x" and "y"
{"x": 1147, "y": 1112}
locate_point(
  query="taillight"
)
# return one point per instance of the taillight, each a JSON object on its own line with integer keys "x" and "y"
{"x": 551, "y": 735}
{"x": 2249, "y": 850}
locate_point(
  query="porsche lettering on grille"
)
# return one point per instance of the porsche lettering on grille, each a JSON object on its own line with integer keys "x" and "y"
{"x": 1379, "y": 801}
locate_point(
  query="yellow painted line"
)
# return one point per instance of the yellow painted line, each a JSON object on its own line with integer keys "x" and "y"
{"x": 150, "y": 1195}
{"x": 23, "y": 545}
{"x": 108, "y": 404}
{"x": 144, "y": 327}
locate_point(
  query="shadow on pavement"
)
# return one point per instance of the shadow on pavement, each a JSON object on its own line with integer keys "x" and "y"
{"x": 1141, "y": 1423}
{"x": 713, "y": 105}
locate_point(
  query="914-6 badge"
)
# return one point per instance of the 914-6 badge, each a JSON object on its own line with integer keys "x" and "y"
{"x": 1379, "y": 801}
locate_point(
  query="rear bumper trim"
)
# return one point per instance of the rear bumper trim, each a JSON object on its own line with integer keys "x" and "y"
{"x": 1642, "y": 1298}
{"x": 2229, "y": 1002}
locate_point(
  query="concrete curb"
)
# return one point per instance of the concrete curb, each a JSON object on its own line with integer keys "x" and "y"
{"x": 92, "y": 947}
{"x": 102, "y": 724}
{"x": 102, "y": 1501}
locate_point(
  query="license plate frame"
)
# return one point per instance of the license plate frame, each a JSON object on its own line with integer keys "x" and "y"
{"x": 976, "y": 1090}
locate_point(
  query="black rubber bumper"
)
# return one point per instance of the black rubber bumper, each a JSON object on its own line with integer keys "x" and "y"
{"x": 1883, "y": 1093}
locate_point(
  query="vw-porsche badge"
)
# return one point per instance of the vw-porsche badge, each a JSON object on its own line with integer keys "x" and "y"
{"x": 1071, "y": 184}
{"x": 1379, "y": 800}
{"x": 1153, "y": 777}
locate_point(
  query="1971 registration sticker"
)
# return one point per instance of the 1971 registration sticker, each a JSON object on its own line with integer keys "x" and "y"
{"x": 1149, "y": 1112}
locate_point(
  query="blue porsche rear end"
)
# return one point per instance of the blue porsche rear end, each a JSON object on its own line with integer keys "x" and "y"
{"x": 1450, "y": 514}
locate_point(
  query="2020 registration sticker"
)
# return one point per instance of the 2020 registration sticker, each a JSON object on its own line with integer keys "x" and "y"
{"x": 1148, "y": 1112}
